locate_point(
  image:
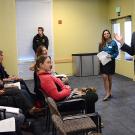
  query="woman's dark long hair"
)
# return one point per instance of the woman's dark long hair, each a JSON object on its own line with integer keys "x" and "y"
{"x": 103, "y": 40}
{"x": 40, "y": 60}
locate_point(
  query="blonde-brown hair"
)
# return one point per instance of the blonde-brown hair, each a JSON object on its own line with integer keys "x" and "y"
{"x": 40, "y": 60}
{"x": 103, "y": 40}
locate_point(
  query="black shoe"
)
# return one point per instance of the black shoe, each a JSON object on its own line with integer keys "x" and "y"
{"x": 26, "y": 126}
{"x": 110, "y": 96}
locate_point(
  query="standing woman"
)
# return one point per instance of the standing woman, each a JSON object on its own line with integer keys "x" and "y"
{"x": 110, "y": 46}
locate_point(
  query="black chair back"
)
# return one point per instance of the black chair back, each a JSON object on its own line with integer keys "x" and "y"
{"x": 37, "y": 88}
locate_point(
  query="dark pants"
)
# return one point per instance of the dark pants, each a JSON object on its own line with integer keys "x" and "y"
{"x": 13, "y": 97}
{"x": 23, "y": 85}
{"x": 90, "y": 99}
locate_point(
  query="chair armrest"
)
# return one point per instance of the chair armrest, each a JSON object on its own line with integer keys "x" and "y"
{"x": 72, "y": 105}
{"x": 80, "y": 116}
{"x": 2, "y": 110}
{"x": 65, "y": 101}
{"x": 94, "y": 116}
{"x": 4, "y": 113}
{"x": 70, "y": 101}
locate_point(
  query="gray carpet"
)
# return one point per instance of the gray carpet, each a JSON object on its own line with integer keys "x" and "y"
{"x": 118, "y": 114}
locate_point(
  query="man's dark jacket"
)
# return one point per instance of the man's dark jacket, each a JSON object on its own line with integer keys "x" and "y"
{"x": 128, "y": 49}
{"x": 38, "y": 40}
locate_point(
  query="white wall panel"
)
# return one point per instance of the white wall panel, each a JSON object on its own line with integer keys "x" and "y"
{"x": 30, "y": 14}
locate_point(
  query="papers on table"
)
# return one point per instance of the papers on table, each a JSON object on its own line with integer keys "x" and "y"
{"x": 17, "y": 84}
{"x": 103, "y": 57}
{"x": 7, "y": 125}
{"x": 10, "y": 109}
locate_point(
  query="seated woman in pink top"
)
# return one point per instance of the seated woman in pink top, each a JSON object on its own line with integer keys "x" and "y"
{"x": 54, "y": 87}
{"x": 41, "y": 50}
{"x": 48, "y": 81}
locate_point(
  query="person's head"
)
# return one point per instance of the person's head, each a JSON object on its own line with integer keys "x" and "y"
{"x": 1, "y": 56}
{"x": 40, "y": 30}
{"x": 41, "y": 50}
{"x": 43, "y": 63}
{"x": 106, "y": 36}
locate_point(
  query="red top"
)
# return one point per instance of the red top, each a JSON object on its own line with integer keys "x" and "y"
{"x": 48, "y": 85}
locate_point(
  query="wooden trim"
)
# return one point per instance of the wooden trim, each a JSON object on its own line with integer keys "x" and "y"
{"x": 64, "y": 60}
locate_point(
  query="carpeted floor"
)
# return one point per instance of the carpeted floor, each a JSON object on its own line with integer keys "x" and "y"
{"x": 118, "y": 114}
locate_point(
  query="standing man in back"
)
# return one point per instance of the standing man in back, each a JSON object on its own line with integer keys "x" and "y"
{"x": 40, "y": 39}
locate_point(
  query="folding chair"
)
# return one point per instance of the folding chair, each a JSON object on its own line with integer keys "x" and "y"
{"x": 75, "y": 123}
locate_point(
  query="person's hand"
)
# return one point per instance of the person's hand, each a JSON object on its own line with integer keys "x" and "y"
{"x": 119, "y": 38}
{"x": 2, "y": 92}
{"x": 1, "y": 82}
{"x": 65, "y": 80}
{"x": 75, "y": 89}
{"x": 109, "y": 56}
{"x": 6, "y": 79}
{"x": 32, "y": 67}
{"x": 68, "y": 87}
{"x": 78, "y": 91}
{"x": 15, "y": 78}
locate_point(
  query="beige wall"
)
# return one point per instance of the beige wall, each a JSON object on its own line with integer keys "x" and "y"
{"x": 125, "y": 5}
{"x": 80, "y": 31}
{"x": 8, "y": 35}
{"x": 123, "y": 67}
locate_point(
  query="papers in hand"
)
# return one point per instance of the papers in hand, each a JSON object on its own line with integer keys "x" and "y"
{"x": 60, "y": 75}
{"x": 7, "y": 125}
{"x": 10, "y": 109}
{"x": 17, "y": 84}
{"x": 103, "y": 57}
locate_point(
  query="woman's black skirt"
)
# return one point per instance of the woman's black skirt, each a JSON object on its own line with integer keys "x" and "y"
{"x": 109, "y": 68}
